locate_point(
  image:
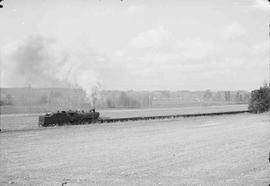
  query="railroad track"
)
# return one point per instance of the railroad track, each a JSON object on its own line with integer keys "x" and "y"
{"x": 114, "y": 120}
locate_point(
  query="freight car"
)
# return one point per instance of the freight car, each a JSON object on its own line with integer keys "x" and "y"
{"x": 68, "y": 118}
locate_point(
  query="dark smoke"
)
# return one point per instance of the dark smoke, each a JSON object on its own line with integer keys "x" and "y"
{"x": 42, "y": 62}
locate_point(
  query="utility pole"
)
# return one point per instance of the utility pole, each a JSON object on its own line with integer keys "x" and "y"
{"x": 269, "y": 51}
{"x": 269, "y": 47}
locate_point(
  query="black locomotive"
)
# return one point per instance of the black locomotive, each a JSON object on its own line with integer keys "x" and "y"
{"x": 68, "y": 118}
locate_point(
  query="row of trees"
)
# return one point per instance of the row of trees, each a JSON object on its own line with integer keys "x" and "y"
{"x": 126, "y": 100}
{"x": 227, "y": 96}
{"x": 123, "y": 100}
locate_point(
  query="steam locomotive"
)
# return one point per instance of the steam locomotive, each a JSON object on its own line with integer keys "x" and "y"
{"x": 68, "y": 118}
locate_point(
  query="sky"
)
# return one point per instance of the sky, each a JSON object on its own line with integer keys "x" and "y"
{"x": 135, "y": 44}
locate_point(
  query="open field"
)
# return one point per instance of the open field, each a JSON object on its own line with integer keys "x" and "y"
{"x": 30, "y": 121}
{"x": 217, "y": 150}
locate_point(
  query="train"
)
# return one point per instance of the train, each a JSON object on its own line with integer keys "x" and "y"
{"x": 83, "y": 117}
{"x": 68, "y": 118}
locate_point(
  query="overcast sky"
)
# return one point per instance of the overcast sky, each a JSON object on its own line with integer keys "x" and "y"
{"x": 138, "y": 44}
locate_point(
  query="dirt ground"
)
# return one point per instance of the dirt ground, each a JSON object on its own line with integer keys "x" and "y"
{"x": 216, "y": 150}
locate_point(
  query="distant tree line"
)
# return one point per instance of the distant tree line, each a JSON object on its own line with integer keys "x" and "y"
{"x": 122, "y": 101}
{"x": 61, "y": 98}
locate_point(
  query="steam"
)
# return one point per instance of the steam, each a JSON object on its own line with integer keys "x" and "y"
{"x": 44, "y": 62}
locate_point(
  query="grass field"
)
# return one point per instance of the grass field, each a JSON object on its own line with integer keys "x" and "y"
{"x": 30, "y": 121}
{"x": 216, "y": 150}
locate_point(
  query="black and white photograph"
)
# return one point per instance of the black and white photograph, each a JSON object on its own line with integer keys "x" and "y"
{"x": 135, "y": 92}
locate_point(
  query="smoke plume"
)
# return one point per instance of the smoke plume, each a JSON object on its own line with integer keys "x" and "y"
{"x": 43, "y": 62}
